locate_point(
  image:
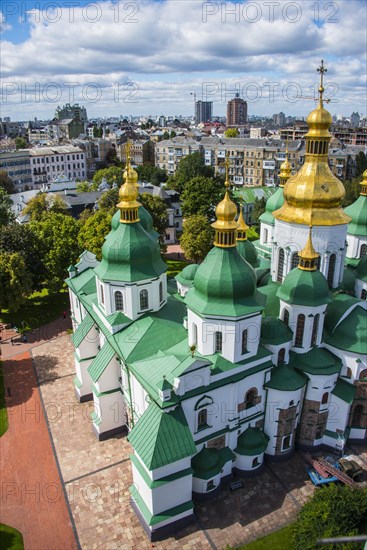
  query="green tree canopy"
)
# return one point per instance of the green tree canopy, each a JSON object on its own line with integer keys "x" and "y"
{"x": 108, "y": 200}
{"x": 333, "y": 511}
{"x": 157, "y": 208}
{"x": 361, "y": 163}
{"x": 6, "y": 213}
{"x": 93, "y": 232}
{"x": 43, "y": 203}
{"x": 21, "y": 239}
{"x": 197, "y": 237}
{"x": 152, "y": 174}
{"x": 15, "y": 281}
{"x": 201, "y": 196}
{"x": 97, "y": 132}
{"x": 5, "y": 182}
{"x": 352, "y": 190}
{"x": 189, "y": 167}
{"x": 59, "y": 237}
{"x": 111, "y": 174}
{"x": 232, "y": 133}
{"x": 259, "y": 208}
{"x": 20, "y": 143}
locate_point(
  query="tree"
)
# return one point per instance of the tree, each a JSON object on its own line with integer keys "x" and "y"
{"x": 361, "y": 163}
{"x": 197, "y": 237}
{"x": 85, "y": 187}
{"x": 59, "y": 236}
{"x": 42, "y": 203}
{"x": 201, "y": 196}
{"x": 97, "y": 132}
{"x": 6, "y": 214}
{"x": 157, "y": 208}
{"x": 190, "y": 167}
{"x": 172, "y": 134}
{"x": 153, "y": 174}
{"x": 20, "y": 143}
{"x": 111, "y": 175}
{"x": 15, "y": 281}
{"x": 109, "y": 200}
{"x": 21, "y": 239}
{"x": 111, "y": 158}
{"x": 93, "y": 232}
{"x": 232, "y": 133}
{"x": 259, "y": 208}
{"x": 5, "y": 182}
{"x": 165, "y": 135}
{"x": 352, "y": 190}
{"x": 333, "y": 511}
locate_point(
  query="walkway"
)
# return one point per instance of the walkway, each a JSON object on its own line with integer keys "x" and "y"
{"x": 32, "y": 495}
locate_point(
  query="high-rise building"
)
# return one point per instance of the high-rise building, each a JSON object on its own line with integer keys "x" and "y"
{"x": 355, "y": 119}
{"x": 203, "y": 111}
{"x": 236, "y": 111}
{"x": 71, "y": 111}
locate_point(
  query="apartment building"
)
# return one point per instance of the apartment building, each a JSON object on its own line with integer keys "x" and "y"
{"x": 141, "y": 152}
{"x": 169, "y": 152}
{"x": 49, "y": 162}
{"x": 18, "y": 167}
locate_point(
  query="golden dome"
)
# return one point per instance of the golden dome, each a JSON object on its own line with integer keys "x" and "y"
{"x": 285, "y": 169}
{"x": 242, "y": 228}
{"x": 225, "y": 224}
{"x": 308, "y": 256}
{"x": 128, "y": 193}
{"x": 363, "y": 184}
{"x": 131, "y": 176}
{"x": 314, "y": 195}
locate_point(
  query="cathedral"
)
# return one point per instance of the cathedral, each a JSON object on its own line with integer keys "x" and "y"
{"x": 257, "y": 351}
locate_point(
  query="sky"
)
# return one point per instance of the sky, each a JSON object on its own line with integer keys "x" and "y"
{"x": 154, "y": 57}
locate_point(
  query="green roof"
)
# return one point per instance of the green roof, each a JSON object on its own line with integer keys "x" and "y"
{"x": 224, "y": 284}
{"x": 273, "y": 203}
{"x": 337, "y": 309}
{"x": 84, "y": 282}
{"x": 118, "y": 318}
{"x": 285, "y": 378}
{"x": 274, "y": 331}
{"x": 129, "y": 254}
{"x": 248, "y": 252}
{"x": 361, "y": 269}
{"x": 82, "y": 330}
{"x": 160, "y": 438}
{"x": 349, "y": 280}
{"x": 146, "y": 221}
{"x": 316, "y": 361}
{"x": 304, "y": 288}
{"x": 101, "y": 362}
{"x": 344, "y": 391}
{"x": 250, "y": 194}
{"x": 208, "y": 463}
{"x": 267, "y": 296}
{"x": 252, "y": 441}
{"x": 351, "y": 333}
{"x": 358, "y": 212}
{"x": 186, "y": 277}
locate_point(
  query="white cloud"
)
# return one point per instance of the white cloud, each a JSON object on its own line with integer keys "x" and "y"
{"x": 4, "y": 26}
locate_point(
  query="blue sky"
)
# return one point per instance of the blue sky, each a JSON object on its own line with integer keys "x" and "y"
{"x": 146, "y": 57}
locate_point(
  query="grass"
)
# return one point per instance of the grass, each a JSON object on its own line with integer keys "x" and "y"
{"x": 279, "y": 540}
{"x": 174, "y": 267}
{"x": 39, "y": 309}
{"x": 10, "y": 539}
{"x": 3, "y": 413}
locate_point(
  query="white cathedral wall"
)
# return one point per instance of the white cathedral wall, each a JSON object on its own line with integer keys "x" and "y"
{"x": 266, "y": 234}
{"x": 354, "y": 245}
{"x": 204, "y": 335}
{"x": 109, "y": 380}
{"x": 309, "y": 313}
{"x": 138, "y": 397}
{"x": 274, "y": 350}
{"x": 81, "y": 371}
{"x": 318, "y": 385}
{"x": 359, "y": 286}
{"x": 244, "y": 462}
{"x": 110, "y": 409}
{"x": 327, "y": 240}
{"x": 338, "y": 415}
{"x": 354, "y": 361}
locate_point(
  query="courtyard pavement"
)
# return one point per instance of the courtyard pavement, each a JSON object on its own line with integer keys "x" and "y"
{"x": 96, "y": 476}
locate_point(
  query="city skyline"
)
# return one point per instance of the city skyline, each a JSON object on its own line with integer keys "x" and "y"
{"x": 109, "y": 57}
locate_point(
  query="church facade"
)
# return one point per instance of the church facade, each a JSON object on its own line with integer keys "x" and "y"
{"x": 257, "y": 350}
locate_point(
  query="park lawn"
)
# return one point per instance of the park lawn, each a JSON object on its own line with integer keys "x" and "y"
{"x": 10, "y": 539}
{"x": 175, "y": 267}
{"x": 3, "y": 413}
{"x": 252, "y": 234}
{"x": 279, "y": 540}
{"x": 39, "y": 309}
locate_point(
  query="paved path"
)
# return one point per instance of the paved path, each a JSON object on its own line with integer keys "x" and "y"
{"x": 32, "y": 497}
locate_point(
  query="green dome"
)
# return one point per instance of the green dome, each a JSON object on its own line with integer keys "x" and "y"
{"x": 348, "y": 280}
{"x": 361, "y": 269}
{"x": 206, "y": 464}
{"x": 350, "y": 333}
{"x": 252, "y": 442}
{"x": 358, "y": 212}
{"x": 115, "y": 222}
{"x": 130, "y": 254}
{"x": 146, "y": 221}
{"x": 187, "y": 275}
{"x": 304, "y": 288}
{"x": 273, "y": 203}
{"x": 224, "y": 284}
{"x": 248, "y": 252}
{"x": 274, "y": 331}
{"x": 286, "y": 378}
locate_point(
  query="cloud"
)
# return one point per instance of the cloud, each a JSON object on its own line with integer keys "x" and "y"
{"x": 4, "y": 26}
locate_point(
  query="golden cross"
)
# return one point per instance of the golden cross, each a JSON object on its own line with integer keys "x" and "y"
{"x": 127, "y": 149}
{"x": 226, "y": 164}
{"x": 322, "y": 70}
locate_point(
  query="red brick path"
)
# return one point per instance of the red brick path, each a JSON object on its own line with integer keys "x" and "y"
{"x": 31, "y": 499}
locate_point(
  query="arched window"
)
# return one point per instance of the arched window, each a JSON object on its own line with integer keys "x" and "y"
{"x": 319, "y": 433}
{"x": 102, "y": 294}
{"x": 160, "y": 292}
{"x": 318, "y": 262}
{"x": 286, "y": 442}
{"x": 144, "y": 302}
{"x": 357, "y": 415}
{"x": 280, "y": 265}
{"x": 244, "y": 341}
{"x": 202, "y": 419}
{"x": 119, "y": 302}
{"x": 315, "y": 328}
{"x": 294, "y": 260}
{"x": 218, "y": 341}
{"x": 281, "y": 356}
{"x": 325, "y": 398}
{"x": 194, "y": 334}
{"x": 266, "y": 235}
{"x": 255, "y": 462}
{"x": 364, "y": 294}
{"x": 286, "y": 316}
{"x": 363, "y": 251}
{"x": 331, "y": 270}
{"x": 251, "y": 398}
{"x": 363, "y": 375}
{"x": 299, "y": 331}
{"x": 348, "y": 374}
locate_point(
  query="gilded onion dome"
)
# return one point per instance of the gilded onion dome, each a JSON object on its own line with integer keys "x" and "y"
{"x": 128, "y": 193}
{"x": 358, "y": 211}
{"x": 242, "y": 228}
{"x": 308, "y": 256}
{"x": 285, "y": 169}
{"x": 314, "y": 195}
{"x": 225, "y": 224}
